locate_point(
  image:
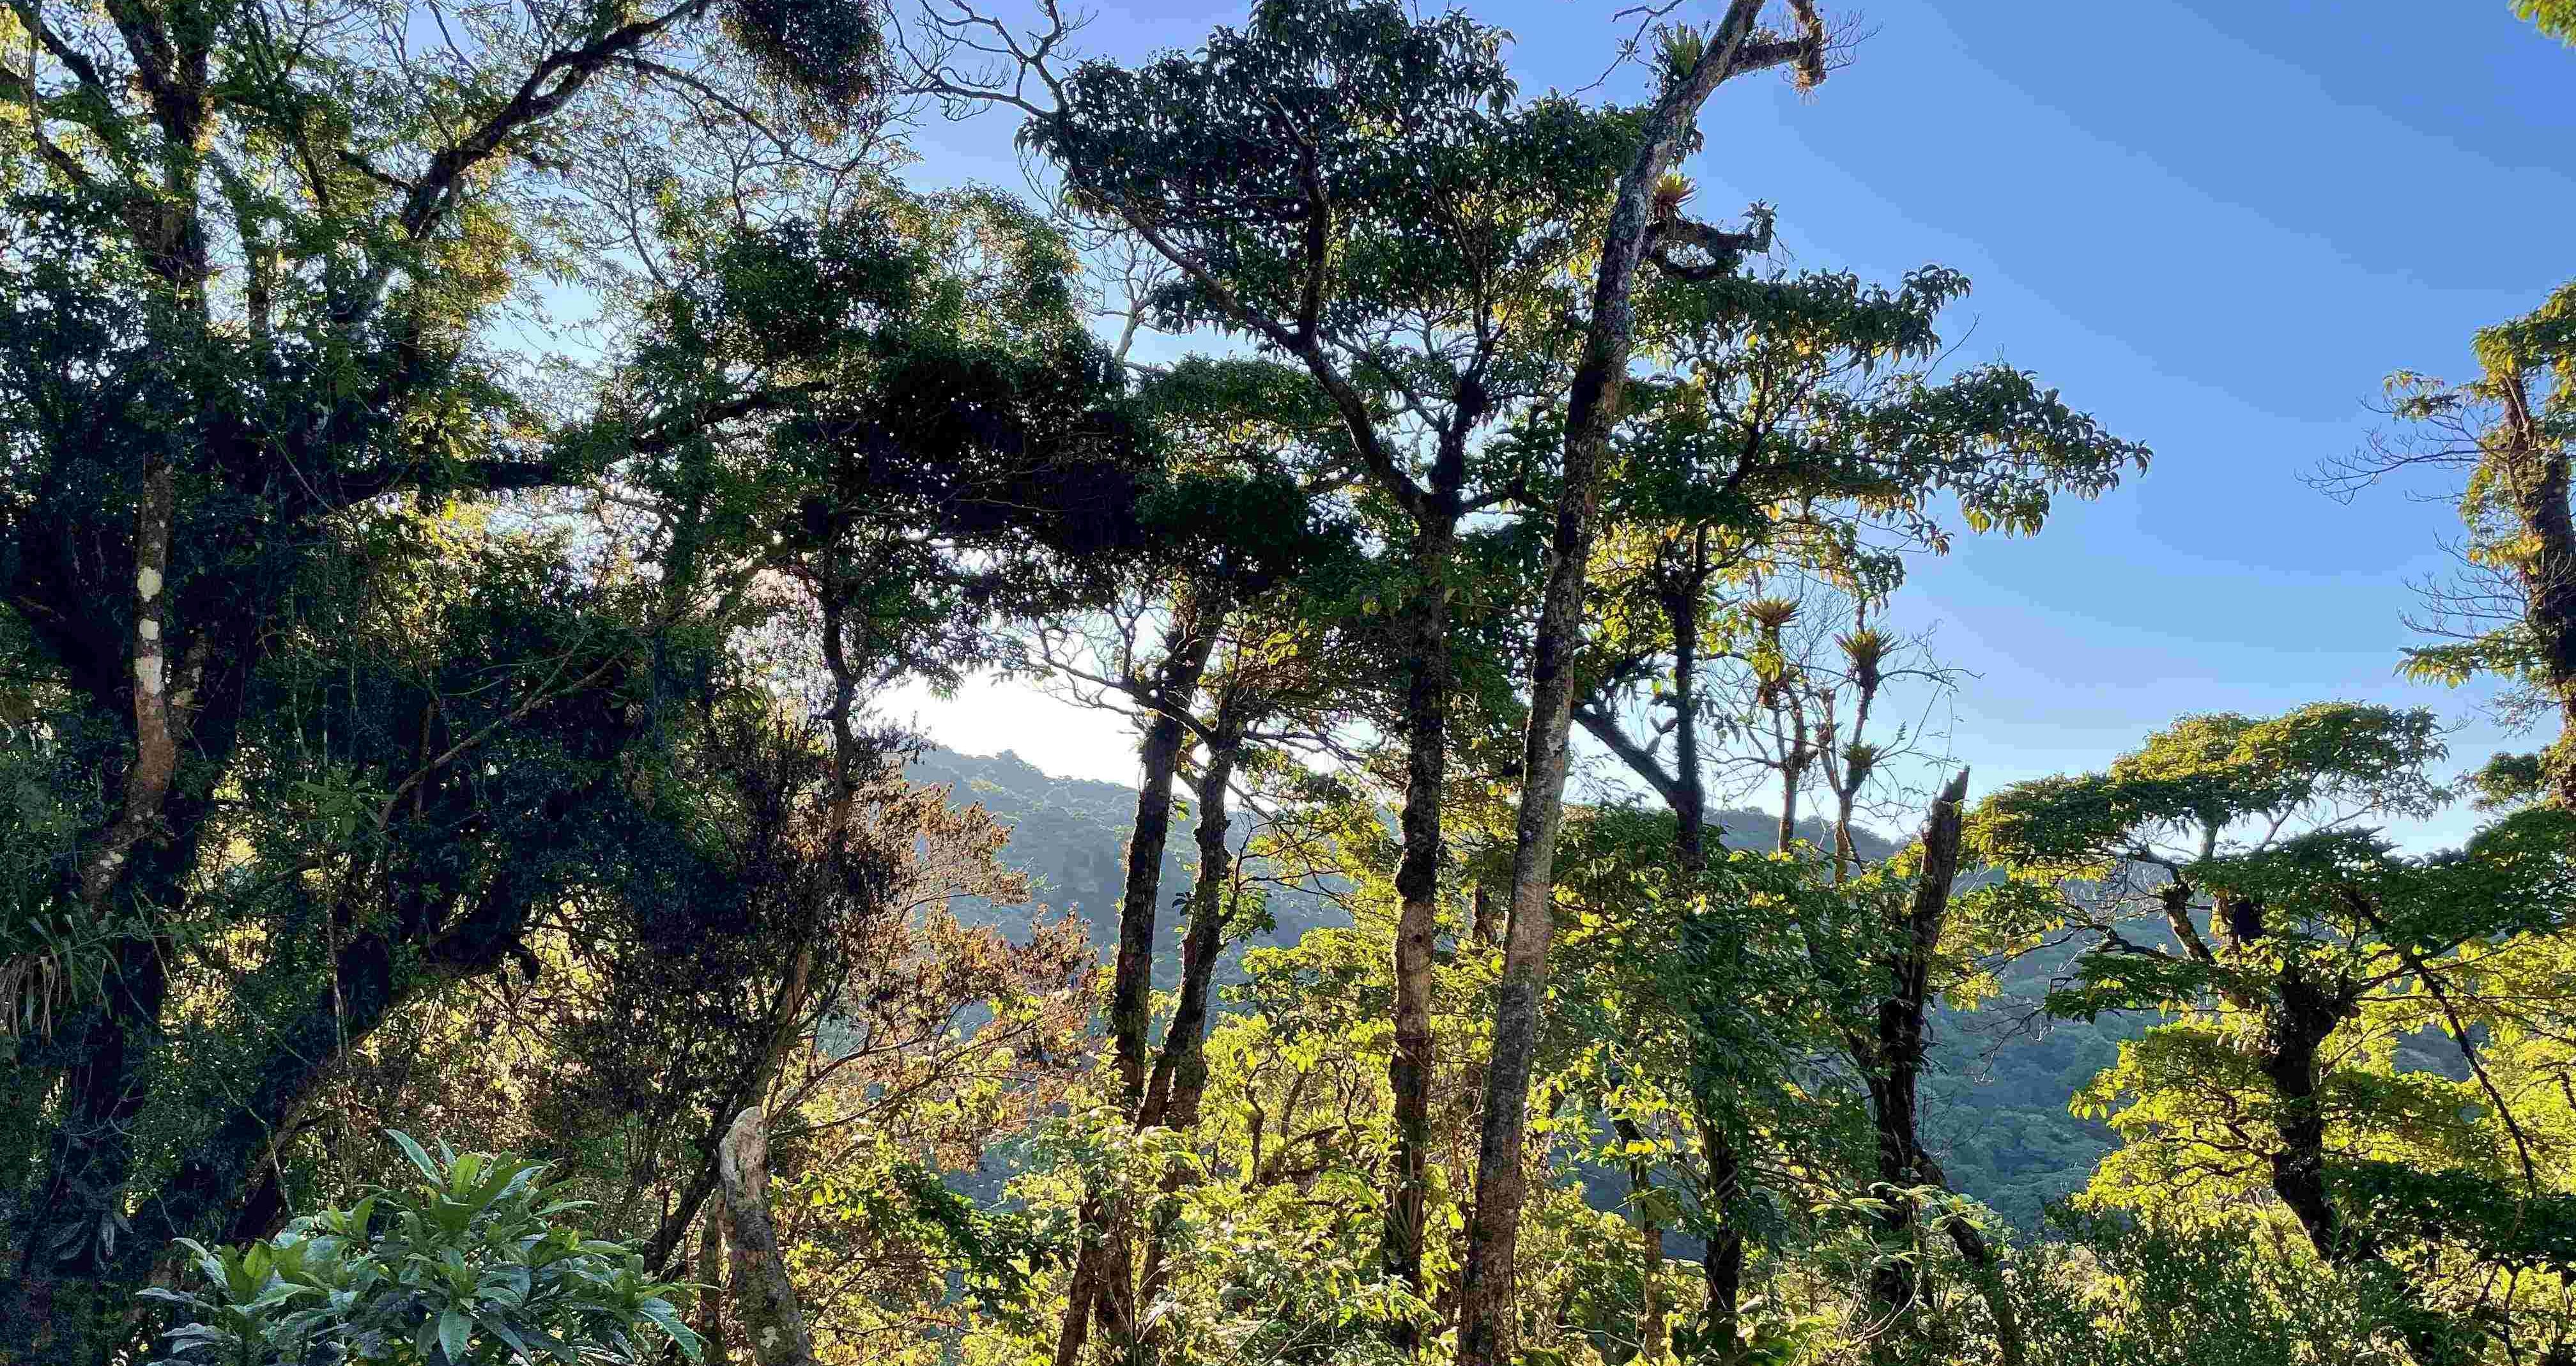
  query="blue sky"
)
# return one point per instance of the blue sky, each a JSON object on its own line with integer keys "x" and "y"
{"x": 2217, "y": 225}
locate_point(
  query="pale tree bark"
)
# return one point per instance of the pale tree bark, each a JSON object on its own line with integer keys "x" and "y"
{"x": 764, "y": 1300}
{"x": 1486, "y": 1292}
{"x": 156, "y": 746}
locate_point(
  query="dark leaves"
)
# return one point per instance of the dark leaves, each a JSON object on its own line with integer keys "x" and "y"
{"x": 830, "y": 51}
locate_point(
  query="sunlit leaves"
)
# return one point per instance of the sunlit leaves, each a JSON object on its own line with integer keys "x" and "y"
{"x": 2214, "y": 776}
{"x": 476, "y": 1263}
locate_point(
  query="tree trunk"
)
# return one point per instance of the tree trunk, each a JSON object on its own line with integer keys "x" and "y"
{"x": 1650, "y": 1245}
{"x": 750, "y": 1085}
{"x": 1894, "y": 1057}
{"x": 104, "y": 1088}
{"x": 2538, "y": 485}
{"x": 2301, "y": 1022}
{"x": 1690, "y": 787}
{"x": 1986, "y": 1270}
{"x": 1723, "y": 1258}
{"x": 1180, "y": 1074}
{"x": 1079, "y": 1294}
{"x": 1685, "y": 791}
{"x": 1787, "y": 833}
{"x": 711, "y": 1275}
{"x": 1846, "y": 855}
{"x": 1417, "y": 884}
{"x": 2302, "y": 1017}
{"x": 1103, "y": 1278}
{"x": 1192, "y": 638}
{"x": 764, "y": 1300}
{"x": 156, "y": 750}
{"x": 92, "y": 1157}
{"x": 1723, "y": 1267}
{"x": 1493, "y": 1232}
{"x": 1848, "y": 772}
{"x": 1898, "y": 1053}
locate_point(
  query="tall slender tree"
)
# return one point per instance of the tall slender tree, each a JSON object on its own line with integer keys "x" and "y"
{"x": 1644, "y": 223}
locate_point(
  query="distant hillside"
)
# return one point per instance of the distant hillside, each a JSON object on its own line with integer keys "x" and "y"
{"x": 1070, "y": 837}
{"x": 1995, "y": 1111}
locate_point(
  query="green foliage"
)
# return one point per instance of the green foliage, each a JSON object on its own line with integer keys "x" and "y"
{"x": 2506, "y": 436}
{"x": 1817, "y": 384}
{"x": 2542, "y": 340}
{"x": 2556, "y": 18}
{"x": 2111, "y": 1291}
{"x": 997, "y": 1256}
{"x": 280, "y": 295}
{"x": 2501, "y": 1221}
{"x": 559, "y": 432}
{"x": 2507, "y": 781}
{"x": 474, "y": 1265}
{"x": 829, "y": 52}
{"x": 1441, "y": 184}
{"x": 2293, "y": 954}
{"x": 2206, "y": 778}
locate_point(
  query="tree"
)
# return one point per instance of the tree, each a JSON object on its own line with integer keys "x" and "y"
{"x": 773, "y": 1321}
{"x": 839, "y": 975}
{"x": 1710, "y": 1066}
{"x": 1275, "y": 683}
{"x": 1644, "y": 220}
{"x": 1905, "y": 965}
{"x": 2290, "y": 936}
{"x": 1799, "y": 430}
{"x": 1256, "y": 459}
{"x": 2512, "y": 614}
{"x": 265, "y": 268}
